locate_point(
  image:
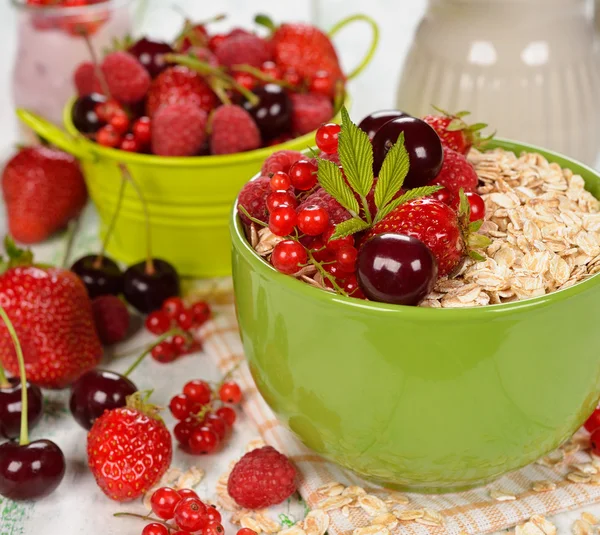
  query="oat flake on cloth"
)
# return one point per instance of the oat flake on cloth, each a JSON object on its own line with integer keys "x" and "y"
{"x": 566, "y": 479}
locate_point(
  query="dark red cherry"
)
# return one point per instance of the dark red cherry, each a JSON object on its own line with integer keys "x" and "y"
{"x": 273, "y": 113}
{"x": 83, "y": 113}
{"x": 397, "y": 269}
{"x": 100, "y": 278}
{"x": 31, "y": 471}
{"x": 150, "y": 55}
{"x": 422, "y": 144}
{"x": 97, "y": 391}
{"x": 10, "y": 407}
{"x": 147, "y": 291}
{"x": 373, "y": 122}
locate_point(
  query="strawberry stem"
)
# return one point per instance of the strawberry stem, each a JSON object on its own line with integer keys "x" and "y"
{"x": 24, "y": 438}
{"x": 71, "y": 233}
{"x": 127, "y": 176}
{"x": 161, "y": 338}
{"x": 111, "y": 226}
{"x": 99, "y": 74}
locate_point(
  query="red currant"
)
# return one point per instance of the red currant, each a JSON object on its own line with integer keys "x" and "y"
{"x": 213, "y": 528}
{"x": 313, "y": 220}
{"x": 120, "y": 122}
{"x": 303, "y": 175}
{"x": 107, "y": 136}
{"x": 230, "y": 392}
{"x": 288, "y": 257}
{"x": 198, "y": 391}
{"x": 213, "y": 514}
{"x": 172, "y": 306}
{"x": 280, "y": 181}
{"x": 246, "y": 531}
{"x": 179, "y": 532}
{"x": 190, "y": 514}
{"x": 227, "y": 414}
{"x": 203, "y": 441}
{"x": 477, "y": 206}
{"x": 183, "y": 430}
{"x": 185, "y": 319}
{"x": 350, "y": 285}
{"x": 333, "y": 245}
{"x": 327, "y": 137}
{"x": 163, "y": 502}
{"x": 106, "y": 110}
{"x": 201, "y": 312}
{"x": 282, "y": 220}
{"x": 322, "y": 83}
{"x": 155, "y": 529}
{"x": 142, "y": 130}
{"x": 279, "y": 199}
{"x": 129, "y": 143}
{"x": 187, "y": 493}
{"x": 163, "y": 352}
{"x": 158, "y": 322}
{"x": 245, "y": 79}
{"x": 292, "y": 77}
{"x": 215, "y": 41}
{"x": 593, "y": 422}
{"x": 595, "y": 440}
{"x": 444, "y": 195}
{"x": 218, "y": 425}
{"x": 346, "y": 258}
{"x": 180, "y": 406}
{"x": 180, "y": 344}
{"x": 271, "y": 69}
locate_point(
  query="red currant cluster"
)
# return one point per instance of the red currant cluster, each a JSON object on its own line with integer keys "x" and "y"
{"x": 118, "y": 130}
{"x": 202, "y": 427}
{"x": 187, "y": 511}
{"x": 175, "y": 314}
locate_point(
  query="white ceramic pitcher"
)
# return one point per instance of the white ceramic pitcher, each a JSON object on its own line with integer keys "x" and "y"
{"x": 529, "y": 68}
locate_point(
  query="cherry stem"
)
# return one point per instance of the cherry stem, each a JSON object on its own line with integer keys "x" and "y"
{"x": 127, "y": 176}
{"x": 3, "y": 380}
{"x": 257, "y": 73}
{"x": 71, "y": 233}
{"x": 111, "y": 226}
{"x": 94, "y": 57}
{"x": 146, "y": 518}
{"x": 24, "y": 438}
{"x": 161, "y": 338}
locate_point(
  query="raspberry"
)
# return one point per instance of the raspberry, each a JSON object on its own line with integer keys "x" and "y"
{"x": 281, "y": 160}
{"x": 233, "y": 130}
{"x": 337, "y": 213}
{"x": 111, "y": 318}
{"x": 178, "y": 130}
{"x": 333, "y": 157}
{"x": 127, "y": 79}
{"x": 261, "y": 478}
{"x": 253, "y": 198}
{"x": 309, "y": 111}
{"x": 243, "y": 48}
{"x": 85, "y": 79}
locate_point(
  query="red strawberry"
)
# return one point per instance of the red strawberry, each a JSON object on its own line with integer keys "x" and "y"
{"x": 243, "y": 49}
{"x": 85, "y": 79}
{"x": 178, "y": 129}
{"x": 454, "y": 132}
{"x": 179, "y": 84}
{"x": 305, "y": 49}
{"x": 432, "y": 222}
{"x": 456, "y": 173}
{"x": 309, "y": 111}
{"x": 129, "y": 449}
{"x": 43, "y": 189}
{"x": 52, "y": 315}
{"x": 233, "y": 130}
{"x": 127, "y": 79}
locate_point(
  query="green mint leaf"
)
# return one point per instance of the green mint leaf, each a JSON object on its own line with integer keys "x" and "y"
{"x": 332, "y": 180}
{"x": 392, "y": 174}
{"x": 411, "y": 194}
{"x": 474, "y": 226}
{"x": 348, "y": 227}
{"x": 356, "y": 155}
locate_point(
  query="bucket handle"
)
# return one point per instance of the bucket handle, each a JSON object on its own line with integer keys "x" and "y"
{"x": 54, "y": 134}
{"x": 374, "y": 40}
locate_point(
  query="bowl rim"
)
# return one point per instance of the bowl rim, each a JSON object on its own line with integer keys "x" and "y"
{"x": 241, "y": 245}
{"x": 184, "y": 161}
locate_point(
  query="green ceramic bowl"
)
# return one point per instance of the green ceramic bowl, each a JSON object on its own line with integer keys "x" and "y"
{"x": 430, "y": 400}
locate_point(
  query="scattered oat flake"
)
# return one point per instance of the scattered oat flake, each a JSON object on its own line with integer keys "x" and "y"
{"x": 372, "y": 505}
{"x": 578, "y": 477}
{"x": 292, "y": 530}
{"x": 372, "y": 530}
{"x": 354, "y": 491}
{"x": 584, "y": 468}
{"x": 316, "y": 522}
{"x": 250, "y": 523}
{"x": 334, "y": 502}
{"x": 190, "y": 478}
{"x": 547, "y": 527}
{"x": 409, "y": 514}
{"x": 528, "y": 528}
{"x": 324, "y": 489}
{"x": 501, "y": 495}
{"x": 346, "y": 511}
{"x": 385, "y": 519}
{"x": 397, "y": 499}
{"x": 267, "y": 525}
{"x": 581, "y": 527}
{"x": 543, "y": 486}
{"x": 589, "y": 518}
{"x": 431, "y": 518}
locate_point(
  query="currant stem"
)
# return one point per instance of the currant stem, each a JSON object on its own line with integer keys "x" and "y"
{"x": 161, "y": 338}
{"x": 127, "y": 176}
{"x": 253, "y": 219}
{"x": 24, "y": 438}
{"x": 111, "y": 226}
{"x": 257, "y": 73}
{"x": 94, "y": 58}
{"x": 324, "y": 273}
{"x": 71, "y": 233}
{"x": 147, "y": 517}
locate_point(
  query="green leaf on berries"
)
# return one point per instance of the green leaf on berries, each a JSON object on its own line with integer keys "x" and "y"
{"x": 392, "y": 174}
{"x": 332, "y": 180}
{"x": 348, "y": 227}
{"x": 474, "y": 226}
{"x": 356, "y": 155}
{"x": 410, "y": 194}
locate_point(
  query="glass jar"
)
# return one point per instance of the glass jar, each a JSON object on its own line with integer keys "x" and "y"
{"x": 51, "y": 45}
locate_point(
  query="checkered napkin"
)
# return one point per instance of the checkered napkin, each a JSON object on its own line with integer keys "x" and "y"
{"x": 565, "y": 480}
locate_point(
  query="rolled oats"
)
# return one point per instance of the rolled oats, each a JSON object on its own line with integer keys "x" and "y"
{"x": 334, "y": 502}
{"x": 372, "y": 505}
{"x": 547, "y": 527}
{"x": 543, "y": 486}
{"x": 589, "y": 518}
{"x": 581, "y": 527}
{"x": 372, "y": 530}
{"x": 501, "y": 495}
{"x": 316, "y": 522}
{"x": 409, "y": 514}
{"x": 578, "y": 477}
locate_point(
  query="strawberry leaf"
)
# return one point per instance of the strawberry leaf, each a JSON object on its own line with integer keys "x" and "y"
{"x": 474, "y": 226}
{"x": 411, "y": 194}
{"x": 348, "y": 227}
{"x": 464, "y": 208}
{"x": 476, "y": 127}
{"x": 356, "y": 155}
{"x": 392, "y": 174}
{"x": 332, "y": 180}
{"x": 476, "y": 256}
{"x": 455, "y": 125}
